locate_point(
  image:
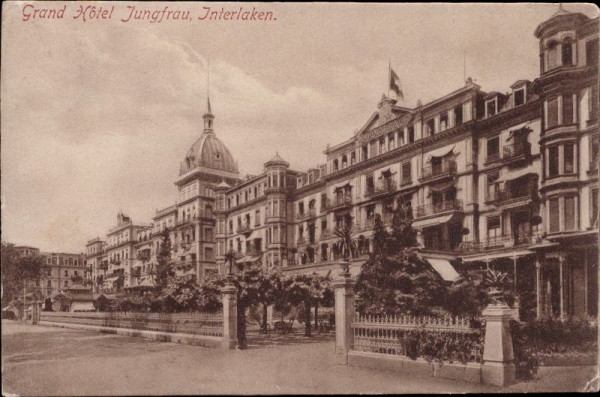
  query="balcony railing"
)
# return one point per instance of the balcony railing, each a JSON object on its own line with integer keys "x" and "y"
{"x": 381, "y": 188}
{"x": 244, "y": 228}
{"x": 367, "y": 223}
{"x": 502, "y": 241}
{"x": 446, "y": 168}
{"x": 311, "y": 213}
{"x": 516, "y": 150}
{"x": 441, "y": 245}
{"x": 507, "y": 194}
{"x": 253, "y": 251}
{"x": 301, "y": 241}
{"x": 341, "y": 202}
{"x": 326, "y": 233}
{"x": 436, "y": 208}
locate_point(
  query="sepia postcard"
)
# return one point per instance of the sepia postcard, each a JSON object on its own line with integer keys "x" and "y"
{"x": 299, "y": 198}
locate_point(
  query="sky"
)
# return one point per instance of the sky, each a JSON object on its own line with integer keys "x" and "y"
{"x": 98, "y": 114}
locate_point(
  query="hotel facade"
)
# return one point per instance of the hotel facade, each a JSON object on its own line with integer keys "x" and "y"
{"x": 504, "y": 180}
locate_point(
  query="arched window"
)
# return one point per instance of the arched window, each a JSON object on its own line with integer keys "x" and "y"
{"x": 551, "y": 55}
{"x": 567, "y": 51}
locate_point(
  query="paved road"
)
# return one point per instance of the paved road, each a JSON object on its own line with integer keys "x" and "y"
{"x": 39, "y": 360}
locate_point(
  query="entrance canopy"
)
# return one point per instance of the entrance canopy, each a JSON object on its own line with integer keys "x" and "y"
{"x": 444, "y": 269}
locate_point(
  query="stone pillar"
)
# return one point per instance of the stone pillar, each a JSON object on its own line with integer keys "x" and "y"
{"x": 344, "y": 314}
{"x": 498, "y": 368}
{"x": 229, "y": 292}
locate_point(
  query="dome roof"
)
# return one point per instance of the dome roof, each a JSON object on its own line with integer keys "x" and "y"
{"x": 208, "y": 151}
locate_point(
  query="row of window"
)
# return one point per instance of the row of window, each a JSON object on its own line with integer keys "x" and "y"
{"x": 563, "y": 53}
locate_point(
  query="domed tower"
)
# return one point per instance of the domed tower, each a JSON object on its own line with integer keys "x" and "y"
{"x": 568, "y": 90}
{"x": 207, "y": 163}
{"x": 277, "y": 203}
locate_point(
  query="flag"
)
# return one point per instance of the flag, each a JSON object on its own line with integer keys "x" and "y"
{"x": 395, "y": 84}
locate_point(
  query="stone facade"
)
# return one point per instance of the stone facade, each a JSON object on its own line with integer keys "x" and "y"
{"x": 504, "y": 180}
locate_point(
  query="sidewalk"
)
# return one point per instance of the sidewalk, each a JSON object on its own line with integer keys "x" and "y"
{"x": 48, "y": 361}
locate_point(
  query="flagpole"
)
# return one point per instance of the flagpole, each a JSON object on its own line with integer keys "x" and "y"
{"x": 389, "y": 75}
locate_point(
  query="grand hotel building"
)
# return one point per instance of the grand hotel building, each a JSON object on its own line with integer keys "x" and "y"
{"x": 508, "y": 180}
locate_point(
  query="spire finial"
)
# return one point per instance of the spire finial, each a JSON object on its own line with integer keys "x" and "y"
{"x": 208, "y": 116}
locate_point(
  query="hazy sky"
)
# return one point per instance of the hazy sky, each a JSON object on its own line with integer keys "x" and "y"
{"x": 97, "y": 115}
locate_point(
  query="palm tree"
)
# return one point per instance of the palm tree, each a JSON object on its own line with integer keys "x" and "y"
{"x": 230, "y": 258}
{"x": 346, "y": 245}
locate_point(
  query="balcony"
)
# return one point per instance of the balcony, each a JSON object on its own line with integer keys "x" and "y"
{"x": 254, "y": 251}
{"x": 503, "y": 196}
{"x": 441, "y": 245}
{"x": 497, "y": 242}
{"x": 381, "y": 189}
{"x": 244, "y": 228}
{"x": 340, "y": 203}
{"x": 516, "y": 151}
{"x": 326, "y": 234}
{"x": 438, "y": 171}
{"x": 438, "y": 208}
{"x": 310, "y": 214}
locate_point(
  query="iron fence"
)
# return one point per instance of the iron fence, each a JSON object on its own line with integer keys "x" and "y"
{"x": 389, "y": 334}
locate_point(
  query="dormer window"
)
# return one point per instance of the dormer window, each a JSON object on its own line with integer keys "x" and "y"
{"x": 335, "y": 165}
{"x": 344, "y": 161}
{"x": 352, "y": 158}
{"x": 567, "y": 51}
{"x": 491, "y": 107}
{"x": 519, "y": 96}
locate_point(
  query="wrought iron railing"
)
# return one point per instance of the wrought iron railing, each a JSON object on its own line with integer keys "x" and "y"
{"x": 244, "y": 228}
{"x": 506, "y": 194}
{"x": 516, "y": 150}
{"x": 445, "y": 168}
{"x": 341, "y": 202}
{"x": 311, "y": 213}
{"x": 381, "y": 188}
{"x": 387, "y": 334}
{"x": 436, "y": 208}
{"x": 326, "y": 233}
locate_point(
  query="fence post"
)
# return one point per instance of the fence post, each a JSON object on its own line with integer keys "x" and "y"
{"x": 229, "y": 316}
{"x": 344, "y": 314}
{"x": 498, "y": 359}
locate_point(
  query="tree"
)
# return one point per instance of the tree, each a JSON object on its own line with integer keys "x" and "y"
{"x": 181, "y": 294}
{"x": 305, "y": 290}
{"x": 17, "y": 272}
{"x": 346, "y": 245}
{"x": 164, "y": 267}
{"x": 395, "y": 279}
{"x": 269, "y": 292}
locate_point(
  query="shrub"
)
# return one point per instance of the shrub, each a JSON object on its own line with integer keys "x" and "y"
{"x": 539, "y": 338}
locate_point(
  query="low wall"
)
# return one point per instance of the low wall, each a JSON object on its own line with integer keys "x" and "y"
{"x": 198, "y": 329}
{"x": 470, "y": 372}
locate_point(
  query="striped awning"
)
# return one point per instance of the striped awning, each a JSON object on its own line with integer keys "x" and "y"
{"x": 444, "y": 268}
{"x": 436, "y": 220}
